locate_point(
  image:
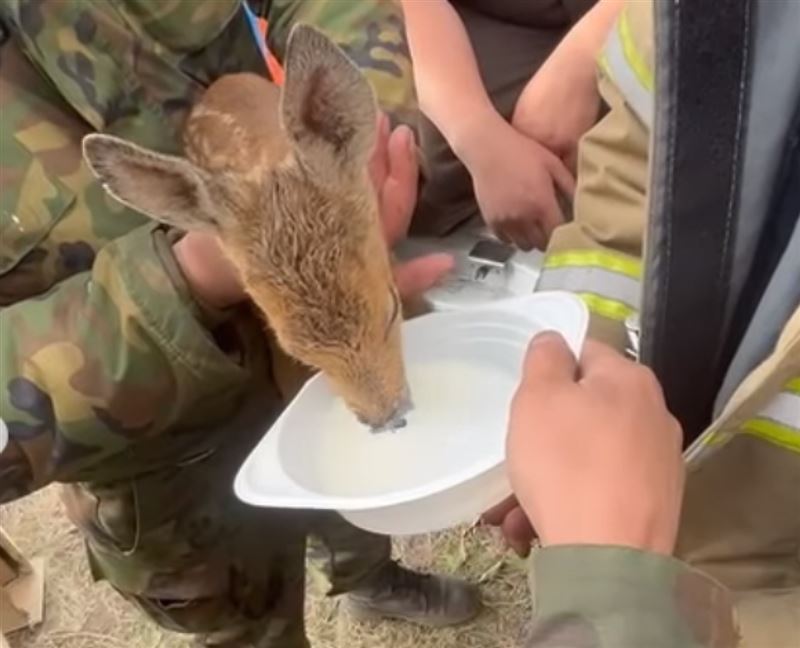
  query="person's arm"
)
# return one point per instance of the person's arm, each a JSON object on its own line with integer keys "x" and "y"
{"x": 595, "y": 460}
{"x": 561, "y": 102}
{"x": 515, "y": 178}
{"x": 450, "y": 90}
{"x": 108, "y": 357}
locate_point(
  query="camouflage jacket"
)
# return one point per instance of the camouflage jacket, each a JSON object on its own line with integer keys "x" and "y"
{"x": 102, "y": 346}
{"x": 109, "y": 368}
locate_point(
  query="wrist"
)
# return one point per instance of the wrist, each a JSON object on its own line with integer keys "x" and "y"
{"x": 470, "y": 137}
{"x": 649, "y": 539}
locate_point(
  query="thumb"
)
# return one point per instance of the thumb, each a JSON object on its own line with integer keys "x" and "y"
{"x": 399, "y": 192}
{"x": 562, "y": 176}
{"x": 548, "y": 360}
{"x": 414, "y": 278}
{"x": 379, "y": 162}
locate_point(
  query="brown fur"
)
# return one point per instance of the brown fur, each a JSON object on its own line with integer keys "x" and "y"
{"x": 281, "y": 178}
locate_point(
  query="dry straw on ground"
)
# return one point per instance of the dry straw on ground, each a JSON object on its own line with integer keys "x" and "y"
{"x": 83, "y": 615}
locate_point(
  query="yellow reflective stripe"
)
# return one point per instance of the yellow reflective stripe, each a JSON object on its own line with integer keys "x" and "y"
{"x": 611, "y": 261}
{"x": 613, "y": 296}
{"x": 608, "y": 308}
{"x": 640, "y": 68}
{"x": 713, "y": 439}
{"x": 777, "y": 423}
{"x": 773, "y": 432}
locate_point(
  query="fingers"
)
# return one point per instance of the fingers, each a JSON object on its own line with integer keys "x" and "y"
{"x": 543, "y": 237}
{"x": 495, "y": 516}
{"x": 538, "y": 237}
{"x": 549, "y": 360}
{"x": 570, "y": 158}
{"x": 562, "y": 176}
{"x": 512, "y": 232}
{"x": 416, "y": 277}
{"x": 597, "y": 359}
{"x": 379, "y": 162}
{"x": 526, "y": 234}
{"x": 514, "y": 523}
{"x": 502, "y": 235}
{"x": 551, "y": 215}
{"x": 403, "y": 162}
{"x": 518, "y": 532}
{"x": 398, "y": 196}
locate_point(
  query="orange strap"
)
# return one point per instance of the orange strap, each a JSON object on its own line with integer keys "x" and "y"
{"x": 273, "y": 64}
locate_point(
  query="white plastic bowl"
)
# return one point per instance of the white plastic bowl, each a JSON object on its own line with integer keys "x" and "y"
{"x": 448, "y": 465}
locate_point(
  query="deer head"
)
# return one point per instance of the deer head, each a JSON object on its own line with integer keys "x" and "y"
{"x": 281, "y": 178}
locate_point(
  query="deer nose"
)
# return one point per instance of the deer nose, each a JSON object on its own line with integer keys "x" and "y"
{"x": 397, "y": 420}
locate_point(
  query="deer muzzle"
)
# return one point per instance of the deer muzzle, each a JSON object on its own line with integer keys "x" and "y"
{"x": 396, "y": 419}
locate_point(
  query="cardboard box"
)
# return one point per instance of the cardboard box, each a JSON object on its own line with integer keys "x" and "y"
{"x": 21, "y": 589}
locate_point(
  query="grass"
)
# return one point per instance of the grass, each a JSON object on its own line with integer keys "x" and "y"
{"x": 81, "y": 614}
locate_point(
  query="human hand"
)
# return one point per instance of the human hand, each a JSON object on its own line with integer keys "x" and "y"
{"x": 394, "y": 169}
{"x": 594, "y": 456}
{"x": 394, "y": 172}
{"x": 514, "y": 523}
{"x": 516, "y": 180}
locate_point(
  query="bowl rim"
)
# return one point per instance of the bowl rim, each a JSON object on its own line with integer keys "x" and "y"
{"x": 322, "y": 501}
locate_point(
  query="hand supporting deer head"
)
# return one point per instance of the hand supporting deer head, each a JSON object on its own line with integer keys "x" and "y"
{"x": 281, "y": 178}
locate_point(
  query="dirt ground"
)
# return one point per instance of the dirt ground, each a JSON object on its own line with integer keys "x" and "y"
{"x": 80, "y": 614}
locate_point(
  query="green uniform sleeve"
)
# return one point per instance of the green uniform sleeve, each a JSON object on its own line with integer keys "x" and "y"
{"x": 613, "y": 597}
{"x": 106, "y": 358}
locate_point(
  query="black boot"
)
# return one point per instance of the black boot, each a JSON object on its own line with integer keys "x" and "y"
{"x": 398, "y": 593}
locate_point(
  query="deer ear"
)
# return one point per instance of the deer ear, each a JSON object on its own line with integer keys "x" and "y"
{"x": 166, "y": 188}
{"x": 327, "y": 107}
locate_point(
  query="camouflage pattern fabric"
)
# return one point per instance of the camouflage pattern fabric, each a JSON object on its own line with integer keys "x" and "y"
{"x": 371, "y": 32}
{"x": 114, "y": 381}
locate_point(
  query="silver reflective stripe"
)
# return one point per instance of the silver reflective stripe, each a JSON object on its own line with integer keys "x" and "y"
{"x": 784, "y": 410}
{"x": 611, "y": 285}
{"x": 622, "y": 73}
{"x": 778, "y": 423}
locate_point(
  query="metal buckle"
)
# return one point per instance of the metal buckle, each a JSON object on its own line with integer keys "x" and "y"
{"x": 633, "y": 330}
{"x": 489, "y": 256}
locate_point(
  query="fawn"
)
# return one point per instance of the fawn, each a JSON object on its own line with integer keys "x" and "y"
{"x": 280, "y": 176}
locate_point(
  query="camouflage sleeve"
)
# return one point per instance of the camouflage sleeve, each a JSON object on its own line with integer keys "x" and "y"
{"x": 370, "y": 31}
{"x": 612, "y": 597}
{"x": 107, "y": 357}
